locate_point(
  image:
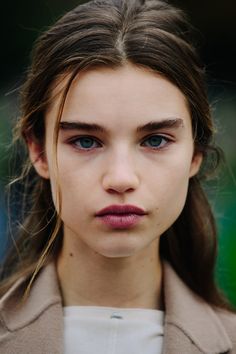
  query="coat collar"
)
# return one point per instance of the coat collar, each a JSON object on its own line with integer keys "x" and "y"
{"x": 185, "y": 311}
{"x": 192, "y": 315}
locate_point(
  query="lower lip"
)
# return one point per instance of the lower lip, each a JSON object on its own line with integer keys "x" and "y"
{"x": 119, "y": 221}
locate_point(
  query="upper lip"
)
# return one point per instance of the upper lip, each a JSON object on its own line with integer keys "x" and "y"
{"x": 121, "y": 209}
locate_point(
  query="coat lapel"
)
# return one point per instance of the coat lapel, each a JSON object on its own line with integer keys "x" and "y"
{"x": 191, "y": 325}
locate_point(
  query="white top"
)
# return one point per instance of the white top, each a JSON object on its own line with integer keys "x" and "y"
{"x": 107, "y": 330}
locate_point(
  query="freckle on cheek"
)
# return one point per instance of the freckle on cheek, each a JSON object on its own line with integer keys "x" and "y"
{"x": 71, "y": 254}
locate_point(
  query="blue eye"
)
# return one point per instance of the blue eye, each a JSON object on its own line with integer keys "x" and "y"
{"x": 85, "y": 143}
{"x": 157, "y": 141}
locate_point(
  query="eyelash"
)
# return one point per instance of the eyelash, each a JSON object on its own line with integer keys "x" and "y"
{"x": 76, "y": 139}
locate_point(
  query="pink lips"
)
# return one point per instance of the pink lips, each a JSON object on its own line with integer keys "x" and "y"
{"x": 121, "y": 216}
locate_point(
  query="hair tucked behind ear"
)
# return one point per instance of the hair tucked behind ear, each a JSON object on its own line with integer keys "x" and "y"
{"x": 151, "y": 34}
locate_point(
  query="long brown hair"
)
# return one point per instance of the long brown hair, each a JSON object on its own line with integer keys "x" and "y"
{"x": 151, "y": 34}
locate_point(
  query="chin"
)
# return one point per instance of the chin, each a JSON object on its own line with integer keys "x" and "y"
{"x": 117, "y": 255}
{"x": 118, "y": 252}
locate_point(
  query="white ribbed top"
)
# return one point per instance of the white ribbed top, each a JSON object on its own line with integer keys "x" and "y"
{"x": 108, "y": 330}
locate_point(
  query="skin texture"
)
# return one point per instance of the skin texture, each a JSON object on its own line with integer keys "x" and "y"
{"x": 99, "y": 265}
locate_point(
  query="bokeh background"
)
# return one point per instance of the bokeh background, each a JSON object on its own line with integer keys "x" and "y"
{"x": 22, "y": 21}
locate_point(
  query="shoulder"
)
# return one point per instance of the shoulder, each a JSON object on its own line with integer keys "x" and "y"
{"x": 24, "y": 326}
{"x": 228, "y": 320}
{"x": 16, "y": 312}
{"x": 211, "y": 329}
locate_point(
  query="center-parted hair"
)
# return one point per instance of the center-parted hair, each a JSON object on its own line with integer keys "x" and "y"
{"x": 110, "y": 33}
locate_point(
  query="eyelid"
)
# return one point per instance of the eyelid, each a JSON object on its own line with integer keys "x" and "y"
{"x": 74, "y": 138}
{"x": 163, "y": 135}
{"x": 168, "y": 138}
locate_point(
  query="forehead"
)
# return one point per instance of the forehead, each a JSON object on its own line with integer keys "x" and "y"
{"x": 127, "y": 96}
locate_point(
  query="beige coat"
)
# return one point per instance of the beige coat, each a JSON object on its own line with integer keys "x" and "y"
{"x": 191, "y": 325}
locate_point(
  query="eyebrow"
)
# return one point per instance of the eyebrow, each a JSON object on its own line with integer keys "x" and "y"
{"x": 148, "y": 127}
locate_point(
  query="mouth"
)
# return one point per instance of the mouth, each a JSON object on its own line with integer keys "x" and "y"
{"x": 121, "y": 210}
{"x": 121, "y": 216}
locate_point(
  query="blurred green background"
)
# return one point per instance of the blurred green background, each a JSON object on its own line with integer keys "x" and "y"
{"x": 22, "y": 21}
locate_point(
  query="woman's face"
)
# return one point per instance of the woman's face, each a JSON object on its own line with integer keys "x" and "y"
{"x": 127, "y": 161}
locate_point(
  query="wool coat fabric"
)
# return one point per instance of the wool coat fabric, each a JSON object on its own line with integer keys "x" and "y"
{"x": 36, "y": 327}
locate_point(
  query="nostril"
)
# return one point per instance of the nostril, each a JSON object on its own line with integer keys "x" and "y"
{"x": 119, "y": 190}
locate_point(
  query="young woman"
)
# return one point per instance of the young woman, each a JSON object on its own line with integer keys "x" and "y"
{"x": 117, "y": 249}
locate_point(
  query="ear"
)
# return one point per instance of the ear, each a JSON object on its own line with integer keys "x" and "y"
{"x": 38, "y": 157}
{"x": 195, "y": 164}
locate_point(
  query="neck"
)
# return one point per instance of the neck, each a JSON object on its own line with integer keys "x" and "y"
{"x": 90, "y": 279}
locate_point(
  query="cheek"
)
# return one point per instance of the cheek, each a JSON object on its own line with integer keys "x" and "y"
{"x": 169, "y": 191}
{"x": 76, "y": 186}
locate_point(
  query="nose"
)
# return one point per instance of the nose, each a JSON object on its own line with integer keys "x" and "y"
{"x": 121, "y": 175}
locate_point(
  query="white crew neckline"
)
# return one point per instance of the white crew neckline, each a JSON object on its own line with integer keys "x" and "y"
{"x": 150, "y": 315}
